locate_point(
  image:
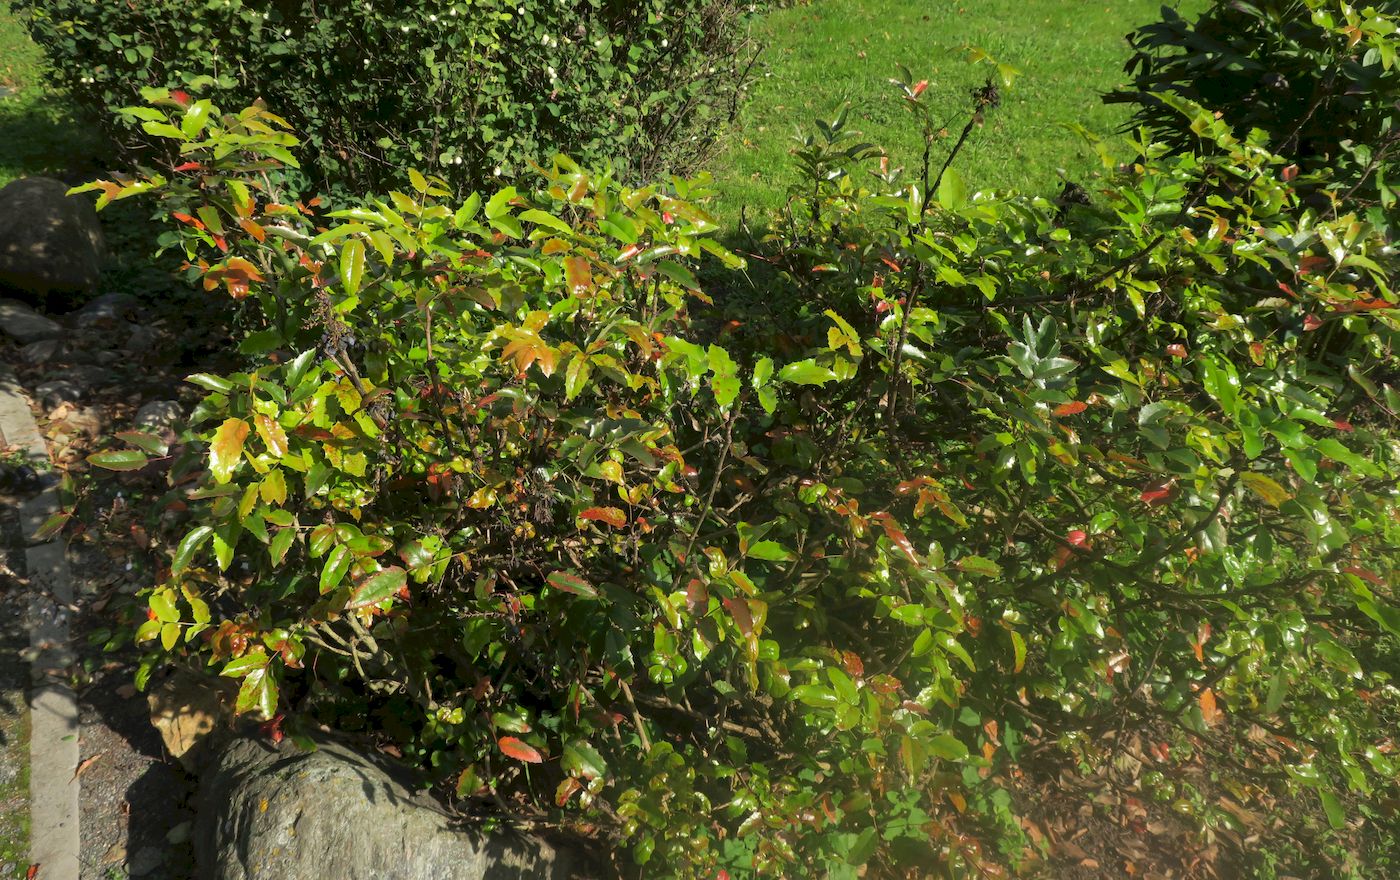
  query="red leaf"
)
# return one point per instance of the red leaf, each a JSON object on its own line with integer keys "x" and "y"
{"x": 514, "y": 748}
{"x": 1077, "y": 537}
{"x": 1365, "y": 574}
{"x": 272, "y": 729}
{"x": 697, "y": 596}
{"x": 1289, "y": 173}
{"x": 1311, "y": 322}
{"x": 1176, "y": 350}
{"x": 1156, "y": 495}
{"x": 187, "y": 166}
{"x": 180, "y": 97}
{"x": 919, "y": 89}
{"x": 1343, "y": 425}
{"x": 610, "y": 515}
{"x": 739, "y": 610}
{"x": 1073, "y": 408}
{"x": 853, "y": 664}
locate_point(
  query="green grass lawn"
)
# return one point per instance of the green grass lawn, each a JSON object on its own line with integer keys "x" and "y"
{"x": 824, "y": 53}
{"x": 37, "y": 133}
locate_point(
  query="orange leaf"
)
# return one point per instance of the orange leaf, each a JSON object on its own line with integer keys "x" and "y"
{"x": 1074, "y": 407}
{"x": 1209, "y": 713}
{"x": 253, "y": 229}
{"x": 514, "y": 748}
{"x": 578, "y": 274}
{"x": 609, "y": 515}
{"x": 227, "y": 448}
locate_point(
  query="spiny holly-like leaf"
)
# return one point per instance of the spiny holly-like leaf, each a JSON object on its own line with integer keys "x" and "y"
{"x": 272, "y": 434}
{"x": 582, "y": 759}
{"x": 514, "y": 748}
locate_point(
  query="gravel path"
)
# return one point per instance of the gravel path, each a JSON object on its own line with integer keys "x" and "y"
{"x": 134, "y": 821}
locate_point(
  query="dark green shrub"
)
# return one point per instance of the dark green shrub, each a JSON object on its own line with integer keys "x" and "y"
{"x": 792, "y": 599}
{"x": 471, "y": 90}
{"x": 1318, "y": 77}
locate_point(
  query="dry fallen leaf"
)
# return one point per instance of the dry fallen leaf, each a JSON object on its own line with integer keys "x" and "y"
{"x": 86, "y": 764}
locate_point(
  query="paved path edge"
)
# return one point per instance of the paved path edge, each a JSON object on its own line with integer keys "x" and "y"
{"x": 53, "y": 707}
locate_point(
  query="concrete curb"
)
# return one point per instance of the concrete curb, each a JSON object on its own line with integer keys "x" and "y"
{"x": 53, "y": 707}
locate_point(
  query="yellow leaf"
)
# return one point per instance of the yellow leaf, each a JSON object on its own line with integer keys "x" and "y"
{"x": 272, "y": 434}
{"x": 227, "y": 448}
{"x": 274, "y": 488}
{"x": 1265, "y": 488}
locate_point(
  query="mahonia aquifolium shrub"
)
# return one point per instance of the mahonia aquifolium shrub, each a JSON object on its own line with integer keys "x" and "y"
{"x": 792, "y": 598}
{"x": 472, "y": 90}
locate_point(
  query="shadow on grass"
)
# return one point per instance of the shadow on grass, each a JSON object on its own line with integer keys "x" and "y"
{"x": 39, "y": 138}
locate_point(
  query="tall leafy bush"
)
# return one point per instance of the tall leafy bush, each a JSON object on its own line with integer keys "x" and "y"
{"x": 470, "y": 90}
{"x": 793, "y": 596}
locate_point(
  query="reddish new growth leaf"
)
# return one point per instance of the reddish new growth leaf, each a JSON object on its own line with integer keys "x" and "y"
{"x": 1311, "y": 322}
{"x": 272, "y": 729}
{"x": 1073, "y": 408}
{"x": 852, "y": 663}
{"x": 1159, "y": 494}
{"x": 514, "y": 748}
{"x": 896, "y": 535}
{"x": 739, "y": 610}
{"x": 1365, "y": 574}
{"x": 1076, "y": 539}
{"x": 1176, "y": 350}
{"x": 1343, "y": 425}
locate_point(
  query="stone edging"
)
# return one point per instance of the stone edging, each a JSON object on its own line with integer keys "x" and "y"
{"x": 53, "y": 707}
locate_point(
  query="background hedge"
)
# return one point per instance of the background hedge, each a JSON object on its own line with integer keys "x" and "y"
{"x": 473, "y": 90}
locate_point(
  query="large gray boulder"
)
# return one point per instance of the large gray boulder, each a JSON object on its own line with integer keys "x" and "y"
{"x": 50, "y": 243}
{"x": 268, "y": 813}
